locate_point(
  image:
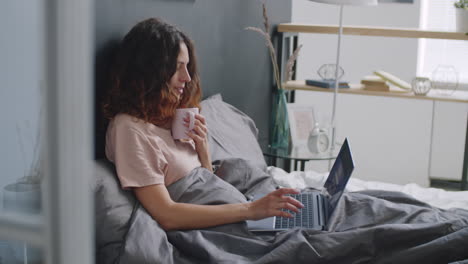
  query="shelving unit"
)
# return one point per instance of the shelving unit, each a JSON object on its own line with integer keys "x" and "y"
{"x": 372, "y": 31}
{"x": 289, "y": 41}
{"x": 457, "y": 96}
{"x": 290, "y": 31}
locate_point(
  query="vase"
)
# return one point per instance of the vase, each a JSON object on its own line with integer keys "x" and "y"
{"x": 462, "y": 20}
{"x": 22, "y": 198}
{"x": 279, "y": 138}
{"x": 445, "y": 79}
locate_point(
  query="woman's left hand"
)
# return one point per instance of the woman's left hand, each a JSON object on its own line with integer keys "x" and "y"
{"x": 199, "y": 134}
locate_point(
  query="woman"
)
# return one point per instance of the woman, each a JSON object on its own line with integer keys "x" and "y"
{"x": 154, "y": 73}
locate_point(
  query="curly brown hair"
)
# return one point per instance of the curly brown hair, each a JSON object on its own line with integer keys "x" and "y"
{"x": 143, "y": 66}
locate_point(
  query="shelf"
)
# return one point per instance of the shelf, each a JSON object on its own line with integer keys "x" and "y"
{"x": 372, "y": 31}
{"x": 457, "y": 96}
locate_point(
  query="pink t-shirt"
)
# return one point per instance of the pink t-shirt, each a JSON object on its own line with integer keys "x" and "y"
{"x": 145, "y": 154}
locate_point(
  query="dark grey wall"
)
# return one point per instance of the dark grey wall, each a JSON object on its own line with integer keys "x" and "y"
{"x": 232, "y": 61}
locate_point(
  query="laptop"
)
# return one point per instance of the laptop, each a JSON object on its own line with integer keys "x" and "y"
{"x": 318, "y": 205}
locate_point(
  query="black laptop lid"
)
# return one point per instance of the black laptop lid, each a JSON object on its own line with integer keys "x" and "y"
{"x": 339, "y": 176}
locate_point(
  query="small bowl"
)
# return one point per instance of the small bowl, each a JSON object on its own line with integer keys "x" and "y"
{"x": 421, "y": 85}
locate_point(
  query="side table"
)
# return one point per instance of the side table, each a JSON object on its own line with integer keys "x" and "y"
{"x": 298, "y": 155}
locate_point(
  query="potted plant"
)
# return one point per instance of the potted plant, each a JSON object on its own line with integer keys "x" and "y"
{"x": 461, "y": 7}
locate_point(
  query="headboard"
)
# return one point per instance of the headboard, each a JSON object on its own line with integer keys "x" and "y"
{"x": 232, "y": 61}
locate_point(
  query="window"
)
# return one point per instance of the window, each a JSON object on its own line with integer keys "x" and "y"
{"x": 440, "y": 15}
{"x": 45, "y": 100}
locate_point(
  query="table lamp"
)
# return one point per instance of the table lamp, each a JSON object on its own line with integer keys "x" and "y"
{"x": 341, "y": 3}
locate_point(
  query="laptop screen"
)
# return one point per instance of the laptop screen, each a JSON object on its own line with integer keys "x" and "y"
{"x": 339, "y": 176}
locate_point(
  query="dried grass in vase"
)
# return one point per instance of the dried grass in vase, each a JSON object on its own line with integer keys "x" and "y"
{"x": 264, "y": 33}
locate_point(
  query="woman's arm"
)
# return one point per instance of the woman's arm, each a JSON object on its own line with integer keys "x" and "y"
{"x": 171, "y": 215}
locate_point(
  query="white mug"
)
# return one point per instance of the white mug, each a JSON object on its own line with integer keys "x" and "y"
{"x": 179, "y": 131}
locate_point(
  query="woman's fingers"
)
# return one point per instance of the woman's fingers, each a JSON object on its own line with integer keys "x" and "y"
{"x": 201, "y": 118}
{"x": 293, "y": 201}
{"x": 281, "y": 204}
{"x": 284, "y": 191}
{"x": 199, "y": 131}
{"x": 197, "y": 117}
{"x": 287, "y": 202}
{"x": 289, "y": 206}
{"x": 283, "y": 194}
{"x": 199, "y": 135}
{"x": 284, "y": 214}
{"x": 276, "y": 204}
{"x": 200, "y": 125}
{"x": 197, "y": 124}
{"x": 195, "y": 136}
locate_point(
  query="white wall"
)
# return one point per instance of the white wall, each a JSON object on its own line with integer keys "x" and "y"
{"x": 360, "y": 55}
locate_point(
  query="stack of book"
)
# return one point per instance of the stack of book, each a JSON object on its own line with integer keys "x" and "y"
{"x": 375, "y": 83}
{"x": 326, "y": 83}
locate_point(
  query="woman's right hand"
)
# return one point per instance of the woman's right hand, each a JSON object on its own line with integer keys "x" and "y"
{"x": 271, "y": 204}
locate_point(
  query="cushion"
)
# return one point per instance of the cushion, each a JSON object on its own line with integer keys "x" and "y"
{"x": 231, "y": 133}
{"x": 113, "y": 210}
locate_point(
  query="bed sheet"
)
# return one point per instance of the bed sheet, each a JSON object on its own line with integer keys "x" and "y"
{"x": 436, "y": 197}
{"x": 367, "y": 227}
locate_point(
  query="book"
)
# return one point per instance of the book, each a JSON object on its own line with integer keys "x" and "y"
{"x": 375, "y": 83}
{"x": 373, "y": 80}
{"x": 393, "y": 80}
{"x": 326, "y": 84}
{"x": 377, "y": 87}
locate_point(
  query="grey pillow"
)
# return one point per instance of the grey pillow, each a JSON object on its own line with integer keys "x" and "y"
{"x": 114, "y": 208}
{"x": 232, "y": 134}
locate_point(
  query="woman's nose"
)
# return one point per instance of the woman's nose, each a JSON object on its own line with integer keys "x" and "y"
{"x": 186, "y": 76}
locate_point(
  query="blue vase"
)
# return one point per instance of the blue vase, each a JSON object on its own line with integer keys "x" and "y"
{"x": 279, "y": 138}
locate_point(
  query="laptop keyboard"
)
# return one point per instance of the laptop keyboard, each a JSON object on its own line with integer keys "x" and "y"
{"x": 304, "y": 218}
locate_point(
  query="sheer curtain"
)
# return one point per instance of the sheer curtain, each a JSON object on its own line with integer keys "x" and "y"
{"x": 440, "y": 15}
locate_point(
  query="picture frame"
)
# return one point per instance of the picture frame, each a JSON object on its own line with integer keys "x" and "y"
{"x": 301, "y": 122}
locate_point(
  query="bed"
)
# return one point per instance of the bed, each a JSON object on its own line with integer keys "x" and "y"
{"x": 373, "y": 223}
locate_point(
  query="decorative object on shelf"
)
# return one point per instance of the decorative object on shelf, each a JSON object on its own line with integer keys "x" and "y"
{"x": 461, "y": 7}
{"x": 341, "y": 3}
{"x": 445, "y": 79}
{"x": 318, "y": 141}
{"x": 279, "y": 125}
{"x": 328, "y": 72}
{"x": 326, "y": 84}
{"x": 393, "y": 80}
{"x": 421, "y": 85}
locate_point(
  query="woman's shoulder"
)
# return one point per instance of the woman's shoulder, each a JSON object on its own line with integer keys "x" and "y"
{"x": 128, "y": 122}
{"x": 123, "y": 118}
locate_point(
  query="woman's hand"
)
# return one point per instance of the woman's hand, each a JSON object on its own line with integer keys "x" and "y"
{"x": 271, "y": 204}
{"x": 199, "y": 134}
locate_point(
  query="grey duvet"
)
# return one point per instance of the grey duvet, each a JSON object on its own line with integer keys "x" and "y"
{"x": 367, "y": 227}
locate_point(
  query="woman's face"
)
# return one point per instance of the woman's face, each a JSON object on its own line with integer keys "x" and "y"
{"x": 181, "y": 76}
